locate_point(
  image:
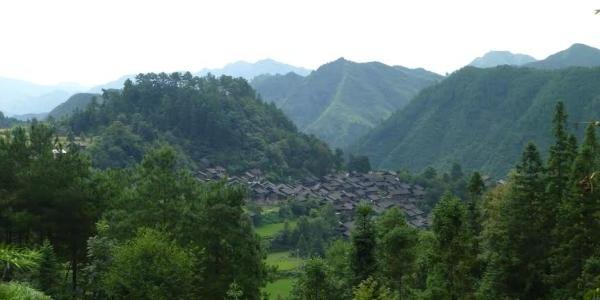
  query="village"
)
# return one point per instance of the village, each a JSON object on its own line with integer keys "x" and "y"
{"x": 344, "y": 191}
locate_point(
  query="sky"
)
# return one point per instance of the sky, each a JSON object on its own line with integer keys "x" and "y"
{"x": 91, "y": 42}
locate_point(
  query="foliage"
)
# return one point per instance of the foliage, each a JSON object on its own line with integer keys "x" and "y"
{"x": 150, "y": 266}
{"x": 21, "y": 291}
{"x": 220, "y": 119}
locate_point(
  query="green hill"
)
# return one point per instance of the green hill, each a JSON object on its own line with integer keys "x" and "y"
{"x": 481, "y": 118}
{"x": 342, "y": 100}
{"x": 78, "y": 101}
{"x": 219, "y": 119}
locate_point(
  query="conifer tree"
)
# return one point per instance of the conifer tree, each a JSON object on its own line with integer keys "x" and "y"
{"x": 579, "y": 219}
{"x": 450, "y": 277}
{"x": 363, "y": 261}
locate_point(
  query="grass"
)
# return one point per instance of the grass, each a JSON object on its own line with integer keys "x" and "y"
{"x": 280, "y": 288}
{"x": 283, "y": 260}
{"x": 270, "y": 230}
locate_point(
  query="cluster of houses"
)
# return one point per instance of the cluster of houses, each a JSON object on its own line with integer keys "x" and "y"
{"x": 344, "y": 191}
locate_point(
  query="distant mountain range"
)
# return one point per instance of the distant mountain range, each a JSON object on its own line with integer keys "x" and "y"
{"x": 22, "y": 97}
{"x": 499, "y": 58}
{"x": 343, "y": 100}
{"x": 250, "y": 70}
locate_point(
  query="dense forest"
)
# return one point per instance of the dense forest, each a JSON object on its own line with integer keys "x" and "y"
{"x": 482, "y": 118}
{"x": 221, "y": 120}
{"x": 152, "y": 231}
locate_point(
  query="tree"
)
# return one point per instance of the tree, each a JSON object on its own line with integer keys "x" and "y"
{"x": 517, "y": 255}
{"x": 314, "y": 282}
{"x": 363, "y": 261}
{"x": 396, "y": 245}
{"x": 578, "y": 218}
{"x": 370, "y": 289}
{"x": 150, "y": 266}
{"x": 452, "y": 257}
{"x": 49, "y": 274}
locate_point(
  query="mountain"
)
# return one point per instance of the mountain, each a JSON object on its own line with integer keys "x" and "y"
{"x": 250, "y": 70}
{"x": 342, "y": 100}
{"x": 19, "y": 97}
{"x": 499, "y": 58}
{"x": 77, "y": 101}
{"x": 578, "y": 55}
{"x": 112, "y": 85}
{"x": 208, "y": 118}
{"x": 482, "y": 118}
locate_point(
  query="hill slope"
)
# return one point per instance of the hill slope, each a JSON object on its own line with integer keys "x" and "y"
{"x": 578, "y": 55}
{"x": 78, "y": 101}
{"x": 342, "y": 100}
{"x": 481, "y": 118}
{"x": 219, "y": 119}
{"x": 500, "y": 58}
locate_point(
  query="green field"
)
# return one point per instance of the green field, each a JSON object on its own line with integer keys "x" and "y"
{"x": 270, "y": 230}
{"x": 284, "y": 261}
{"x": 280, "y": 288}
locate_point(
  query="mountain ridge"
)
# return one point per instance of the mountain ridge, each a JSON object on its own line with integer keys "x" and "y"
{"x": 343, "y": 99}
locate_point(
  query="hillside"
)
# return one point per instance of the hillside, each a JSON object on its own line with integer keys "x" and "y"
{"x": 215, "y": 119}
{"x": 342, "y": 100}
{"x": 500, "y": 58}
{"x": 481, "y": 118}
{"x": 578, "y": 55}
{"x": 78, "y": 101}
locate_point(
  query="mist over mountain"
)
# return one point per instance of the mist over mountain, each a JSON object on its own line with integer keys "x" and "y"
{"x": 342, "y": 99}
{"x": 499, "y": 58}
{"x": 19, "y": 97}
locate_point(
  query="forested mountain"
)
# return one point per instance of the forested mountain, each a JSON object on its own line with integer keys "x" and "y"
{"x": 481, "y": 118}
{"x": 250, "y": 70}
{"x": 342, "y": 100}
{"x": 499, "y": 58}
{"x": 78, "y": 101}
{"x": 219, "y": 119}
{"x": 578, "y": 55}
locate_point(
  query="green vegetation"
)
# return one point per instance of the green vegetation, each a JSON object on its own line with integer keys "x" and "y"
{"x": 76, "y": 102}
{"x": 482, "y": 119}
{"x": 342, "y": 100}
{"x": 280, "y": 288}
{"x": 219, "y": 119}
{"x": 271, "y": 230}
{"x": 284, "y": 261}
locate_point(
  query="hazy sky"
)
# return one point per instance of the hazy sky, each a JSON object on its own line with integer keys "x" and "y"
{"x": 92, "y": 42}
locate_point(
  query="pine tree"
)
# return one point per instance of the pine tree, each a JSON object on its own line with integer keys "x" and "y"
{"x": 49, "y": 277}
{"x": 578, "y": 218}
{"x": 452, "y": 260}
{"x": 525, "y": 225}
{"x": 363, "y": 262}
